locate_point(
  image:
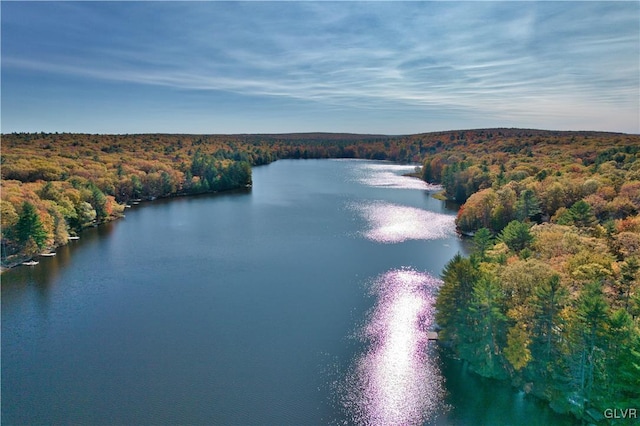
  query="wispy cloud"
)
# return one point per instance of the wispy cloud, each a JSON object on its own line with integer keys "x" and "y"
{"x": 523, "y": 62}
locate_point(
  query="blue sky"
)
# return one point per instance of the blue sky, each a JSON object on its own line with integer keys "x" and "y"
{"x": 362, "y": 67}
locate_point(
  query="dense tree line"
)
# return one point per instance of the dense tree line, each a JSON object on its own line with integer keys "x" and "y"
{"x": 77, "y": 180}
{"x": 539, "y": 178}
{"x": 553, "y": 309}
{"x": 550, "y": 297}
{"x": 54, "y": 185}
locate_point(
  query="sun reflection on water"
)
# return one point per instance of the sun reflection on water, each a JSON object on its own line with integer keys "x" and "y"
{"x": 393, "y": 223}
{"x": 395, "y": 382}
{"x": 387, "y": 175}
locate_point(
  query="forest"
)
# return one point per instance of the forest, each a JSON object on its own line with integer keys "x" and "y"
{"x": 56, "y": 184}
{"x": 549, "y": 299}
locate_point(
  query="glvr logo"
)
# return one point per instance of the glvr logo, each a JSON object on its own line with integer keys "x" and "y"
{"x": 619, "y": 413}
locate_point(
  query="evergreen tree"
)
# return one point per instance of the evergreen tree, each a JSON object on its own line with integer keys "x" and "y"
{"x": 628, "y": 275}
{"x": 198, "y": 163}
{"x": 452, "y": 315}
{"x": 548, "y": 331}
{"x": 628, "y": 372}
{"x": 516, "y": 236}
{"x": 528, "y": 205}
{"x": 482, "y": 241}
{"x": 620, "y": 334}
{"x": 29, "y": 227}
{"x": 581, "y": 214}
{"x": 136, "y": 184}
{"x": 480, "y": 343}
{"x": 99, "y": 202}
{"x": 592, "y": 316}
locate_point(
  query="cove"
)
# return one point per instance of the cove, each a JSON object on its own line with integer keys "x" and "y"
{"x": 305, "y": 300}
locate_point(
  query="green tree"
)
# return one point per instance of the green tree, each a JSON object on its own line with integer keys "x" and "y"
{"x": 627, "y": 373}
{"x": 592, "y": 317}
{"x": 99, "y": 202}
{"x": 85, "y": 215}
{"x": 459, "y": 277}
{"x": 198, "y": 163}
{"x": 628, "y": 276}
{"x": 528, "y": 205}
{"x": 550, "y": 297}
{"x": 29, "y": 227}
{"x": 427, "y": 174}
{"x": 516, "y": 235}
{"x": 482, "y": 241}
{"x": 168, "y": 186}
{"x": 136, "y": 187}
{"x": 620, "y": 334}
{"x": 582, "y": 215}
{"x": 480, "y": 343}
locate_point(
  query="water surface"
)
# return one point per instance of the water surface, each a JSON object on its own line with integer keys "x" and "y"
{"x": 304, "y": 300}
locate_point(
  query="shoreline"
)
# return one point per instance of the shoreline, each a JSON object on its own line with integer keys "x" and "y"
{"x": 17, "y": 260}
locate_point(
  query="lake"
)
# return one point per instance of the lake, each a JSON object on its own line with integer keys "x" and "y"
{"x": 304, "y": 300}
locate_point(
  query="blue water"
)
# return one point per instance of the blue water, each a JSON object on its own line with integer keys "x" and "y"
{"x": 304, "y": 300}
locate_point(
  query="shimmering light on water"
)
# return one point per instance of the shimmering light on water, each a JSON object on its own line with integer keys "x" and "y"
{"x": 395, "y": 382}
{"x": 393, "y": 223}
{"x": 391, "y": 176}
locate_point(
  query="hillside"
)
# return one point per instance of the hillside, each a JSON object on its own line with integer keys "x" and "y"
{"x": 78, "y": 180}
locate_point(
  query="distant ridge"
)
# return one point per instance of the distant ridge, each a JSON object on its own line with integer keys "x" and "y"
{"x": 345, "y": 136}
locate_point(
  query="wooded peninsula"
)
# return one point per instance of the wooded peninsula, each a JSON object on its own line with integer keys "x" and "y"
{"x": 549, "y": 298}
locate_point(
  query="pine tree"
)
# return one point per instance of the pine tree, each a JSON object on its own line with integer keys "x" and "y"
{"x": 516, "y": 236}
{"x": 582, "y": 215}
{"x": 29, "y": 227}
{"x": 98, "y": 201}
{"x": 592, "y": 317}
{"x": 528, "y": 205}
{"x": 628, "y": 374}
{"x": 480, "y": 343}
{"x": 459, "y": 277}
{"x": 628, "y": 276}
{"x": 550, "y": 297}
{"x": 482, "y": 241}
{"x": 620, "y": 335}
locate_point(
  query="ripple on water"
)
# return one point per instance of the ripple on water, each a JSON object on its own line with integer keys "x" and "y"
{"x": 393, "y": 223}
{"x": 395, "y": 382}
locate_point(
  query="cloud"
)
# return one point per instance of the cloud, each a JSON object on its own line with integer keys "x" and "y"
{"x": 503, "y": 60}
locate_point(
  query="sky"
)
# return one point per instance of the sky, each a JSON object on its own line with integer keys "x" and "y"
{"x": 282, "y": 67}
